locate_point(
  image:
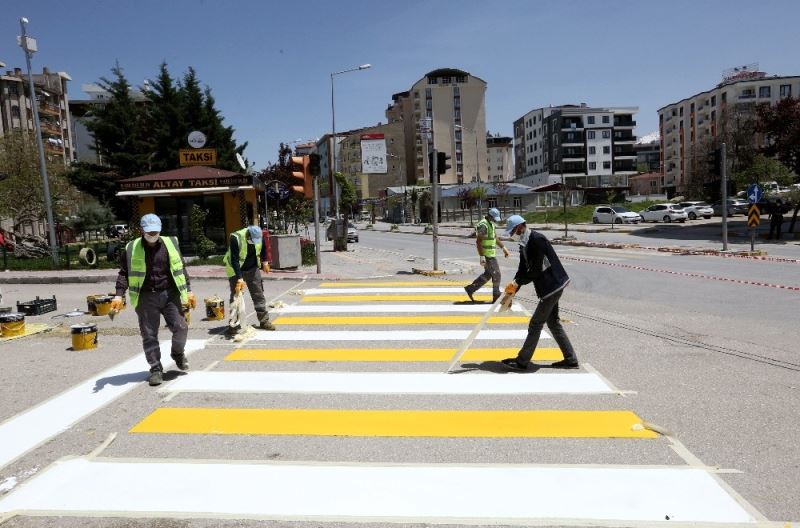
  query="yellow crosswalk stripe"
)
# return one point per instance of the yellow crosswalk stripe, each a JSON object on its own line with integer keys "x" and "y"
{"x": 384, "y": 354}
{"x": 393, "y": 297}
{"x": 398, "y": 284}
{"x": 391, "y": 320}
{"x": 382, "y": 423}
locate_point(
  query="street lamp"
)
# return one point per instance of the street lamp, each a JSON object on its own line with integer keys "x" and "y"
{"x": 28, "y": 45}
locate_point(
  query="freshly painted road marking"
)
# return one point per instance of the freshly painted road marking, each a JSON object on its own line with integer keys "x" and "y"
{"x": 391, "y": 320}
{"x": 390, "y": 308}
{"x": 389, "y": 383}
{"x": 388, "y": 335}
{"x": 398, "y": 284}
{"x": 395, "y": 298}
{"x": 430, "y": 289}
{"x": 395, "y": 423}
{"x": 384, "y": 354}
{"x": 33, "y": 427}
{"x": 370, "y": 492}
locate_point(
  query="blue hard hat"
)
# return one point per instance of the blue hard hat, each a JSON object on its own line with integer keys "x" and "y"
{"x": 495, "y": 214}
{"x": 255, "y": 233}
{"x": 150, "y": 223}
{"x": 512, "y": 222}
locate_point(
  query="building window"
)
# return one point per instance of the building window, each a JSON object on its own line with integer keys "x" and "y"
{"x": 590, "y": 134}
{"x": 592, "y": 165}
{"x": 458, "y": 135}
{"x": 416, "y": 95}
{"x": 432, "y": 80}
{"x": 517, "y": 201}
{"x": 724, "y": 97}
{"x": 764, "y": 91}
{"x": 456, "y": 102}
{"x": 590, "y": 120}
{"x": 606, "y": 134}
{"x": 606, "y": 150}
{"x": 681, "y": 111}
{"x": 428, "y": 93}
{"x": 713, "y": 100}
{"x": 15, "y": 112}
{"x": 786, "y": 90}
{"x": 456, "y": 90}
{"x": 592, "y": 150}
{"x": 748, "y": 93}
{"x": 445, "y": 80}
{"x": 606, "y": 164}
{"x": 605, "y": 119}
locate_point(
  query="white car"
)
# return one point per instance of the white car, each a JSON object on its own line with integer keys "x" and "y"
{"x": 613, "y": 214}
{"x": 696, "y": 209}
{"x": 664, "y": 213}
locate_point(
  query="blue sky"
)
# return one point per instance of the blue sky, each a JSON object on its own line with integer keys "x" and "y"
{"x": 269, "y": 63}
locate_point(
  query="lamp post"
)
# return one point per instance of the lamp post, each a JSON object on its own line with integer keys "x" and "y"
{"x": 28, "y": 46}
{"x": 403, "y": 208}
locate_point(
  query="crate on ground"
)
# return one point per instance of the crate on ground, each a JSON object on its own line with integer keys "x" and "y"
{"x": 37, "y": 306}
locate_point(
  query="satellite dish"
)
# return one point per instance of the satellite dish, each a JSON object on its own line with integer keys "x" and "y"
{"x": 241, "y": 161}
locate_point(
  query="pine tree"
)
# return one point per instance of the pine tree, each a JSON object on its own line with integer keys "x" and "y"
{"x": 166, "y": 122}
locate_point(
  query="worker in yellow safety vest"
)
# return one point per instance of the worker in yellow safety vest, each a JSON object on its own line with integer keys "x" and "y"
{"x": 486, "y": 242}
{"x": 245, "y": 261}
{"x": 151, "y": 268}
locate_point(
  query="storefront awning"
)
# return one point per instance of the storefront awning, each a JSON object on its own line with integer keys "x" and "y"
{"x": 174, "y": 192}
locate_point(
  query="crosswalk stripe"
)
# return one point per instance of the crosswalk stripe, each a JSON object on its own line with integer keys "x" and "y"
{"x": 396, "y": 297}
{"x": 396, "y": 320}
{"x": 388, "y": 284}
{"x": 339, "y": 291}
{"x": 384, "y": 354}
{"x": 393, "y": 423}
{"x": 388, "y": 383}
{"x": 389, "y": 335}
{"x": 474, "y": 494}
{"x": 390, "y": 308}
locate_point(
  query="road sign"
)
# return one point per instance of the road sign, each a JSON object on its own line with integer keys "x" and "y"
{"x": 197, "y": 139}
{"x": 754, "y": 193}
{"x": 197, "y": 157}
{"x": 753, "y": 216}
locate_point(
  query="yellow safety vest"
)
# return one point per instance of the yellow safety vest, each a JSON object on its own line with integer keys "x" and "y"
{"x": 241, "y": 238}
{"x": 489, "y": 243}
{"x": 137, "y": 268}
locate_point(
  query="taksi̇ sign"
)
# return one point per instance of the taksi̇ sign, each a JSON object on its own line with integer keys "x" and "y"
{"x": 197, "y": 157}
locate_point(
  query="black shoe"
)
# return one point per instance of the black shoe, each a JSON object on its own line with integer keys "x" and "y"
{"x": 513, "y": 365}
{"x": 469, "y": 291}
{"x": 155, "y": 378}
{"x": 565, "y": 364}
{"x": 181, "y": 362}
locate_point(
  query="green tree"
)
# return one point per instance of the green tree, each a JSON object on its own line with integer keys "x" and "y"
{"x": 347, "y": 194}
{"x": 91, "y": 216}
{"x": 168, "y": 127}
{"x": 781, "y": 126}
{"x": 100, "y": 182}
{"x": 479, "y": 194}
{"x": 414, "y": 200}
{"x": 203, "y": 246}
{"x": 763, "y": 169}
{"x": 466, "y": 199}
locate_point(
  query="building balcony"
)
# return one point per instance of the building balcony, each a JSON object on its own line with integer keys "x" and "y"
{"x": 625, "y": 139}
{"x": 49, "y": 129}
{"x": 54, "y": 149}
{"x": 49, "y": 109}
{"x": 624, "y": 123}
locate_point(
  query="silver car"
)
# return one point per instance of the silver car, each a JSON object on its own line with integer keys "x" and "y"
{"x": 696, "y": 209}
{"x": 666, "y": 212}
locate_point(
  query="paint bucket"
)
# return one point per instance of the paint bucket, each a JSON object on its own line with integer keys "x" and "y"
{"x": 215, "y": 308}
{"x": 12, "y": 324}
{"x": 90, "y": 306}
{"x": 84, "y": 336}
{"x": 102, "y": 304}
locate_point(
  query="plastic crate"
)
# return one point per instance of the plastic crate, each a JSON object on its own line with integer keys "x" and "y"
{"x": 38, "y": 306}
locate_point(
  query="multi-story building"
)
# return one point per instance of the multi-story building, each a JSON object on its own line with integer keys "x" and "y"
{"x": 371, "y": 178}
{"x": 451, "y": 104}
{"x": 499, "y": 161}
{"x": 53, "y": 105}
{"x": 586, "y": 146}
{"x": 648, "y": 153}
{"x": 692, "y": 126}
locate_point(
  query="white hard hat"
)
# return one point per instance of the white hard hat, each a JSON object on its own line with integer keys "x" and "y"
{"x": 512, "y": 222}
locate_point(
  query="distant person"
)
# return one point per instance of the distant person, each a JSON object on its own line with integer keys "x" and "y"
{"x": 486, "y": 241}
{"x": 538, "y": 263}
{"x": 776, "y": 219}
{"x": 245, "y": 260}
{"x": 151, "y": 268}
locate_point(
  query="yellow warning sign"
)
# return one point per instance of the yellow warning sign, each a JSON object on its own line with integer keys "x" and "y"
{"x": 198, "y": 157}
{"x": 753, "y": 216}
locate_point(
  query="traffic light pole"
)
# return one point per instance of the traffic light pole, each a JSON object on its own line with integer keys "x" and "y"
{"x": 316, "y": 225}
{"x": 435, "y": 198}
{"x": 724, "y": 174}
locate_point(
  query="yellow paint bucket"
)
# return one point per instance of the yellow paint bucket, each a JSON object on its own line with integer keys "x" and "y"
{"x": 102, "y": 304}
{"x": 12, "y": 324}
{"x": 84, "y": 336}
{"x": 215, "y": 309}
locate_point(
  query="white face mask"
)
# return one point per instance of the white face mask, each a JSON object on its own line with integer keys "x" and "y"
{"x": 152, "y": 238}
{"x": 523, "y": 238}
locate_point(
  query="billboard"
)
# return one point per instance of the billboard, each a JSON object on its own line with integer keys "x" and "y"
{"x": 373, "y": 154}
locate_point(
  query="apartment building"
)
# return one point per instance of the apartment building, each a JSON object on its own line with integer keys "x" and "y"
{"x": 372, "y": 176}
{"x": 452, "y": 103}
{"x": 692, "y": 126}
{"x": 587, "y": 146}
{"x": 53, "y": 104}
{"x": 499, "y": 159}
{"x": 648, "y": 153}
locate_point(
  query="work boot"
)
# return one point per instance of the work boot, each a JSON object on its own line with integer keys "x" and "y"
{"x": 156, "y": 378}
{"x": 181, "y": 362}
{"x": 231, "y": 331}
{"x": 469, "y": 291}
{"x": 264, "y": 323}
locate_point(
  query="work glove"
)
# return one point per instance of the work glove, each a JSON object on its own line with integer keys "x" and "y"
{"x": 192, "y": 301}
{"x": 117, "y": 304}
{"x": 511, "y": 288}
{"x": 265, "y": 267}
{"x": 239, "y": 286}
{"x": 505, "y": 252}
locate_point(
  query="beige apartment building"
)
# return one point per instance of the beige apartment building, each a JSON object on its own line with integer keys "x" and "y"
{"x": 452, "y": 103}
{"x": 51, "y": 94}
{"x": 371, "y": 180}
{"x": 691, "y": 126}
{"x": 499, "y": 159}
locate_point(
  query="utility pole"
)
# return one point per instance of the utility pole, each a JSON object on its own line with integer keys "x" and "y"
{"x": 564, "y": 199}
{"x": 435, "y": 197}
{"x": 724, "y": 174}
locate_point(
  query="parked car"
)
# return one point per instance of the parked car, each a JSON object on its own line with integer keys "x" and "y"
{"x": 613, "y": 214}
{"x": 696, "y": 209}
{"x": 116, "y": 230}
{"x": 352, "y": 232}
{"x": 666, "y": 212}
{"x": 734, "y": 207}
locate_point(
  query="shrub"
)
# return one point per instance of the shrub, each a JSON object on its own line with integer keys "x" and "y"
{"x": 308, "y": 252}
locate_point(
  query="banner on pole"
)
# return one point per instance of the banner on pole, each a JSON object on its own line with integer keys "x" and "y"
{"x": 373, "y": 154}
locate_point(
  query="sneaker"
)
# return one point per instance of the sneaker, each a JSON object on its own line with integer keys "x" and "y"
{"x": 181, "y": 362}
{"x": 469, "y": 291}
{"x": 266, "y": 325}
{"x": 156, "y": 378}
{"x": 565, "y": 364}
{"x": 513, "y": 365}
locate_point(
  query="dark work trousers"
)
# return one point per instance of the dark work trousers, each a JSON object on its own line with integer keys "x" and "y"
{"x": 252, "y": 278}
{"x": 775, "y": 223}
{"x": 491, "y": 271}
{"x": 546, "y": 312}
{"x": 151, "y": 306}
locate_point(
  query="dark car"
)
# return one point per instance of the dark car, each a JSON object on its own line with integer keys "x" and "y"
{"x": 734, "y": 207}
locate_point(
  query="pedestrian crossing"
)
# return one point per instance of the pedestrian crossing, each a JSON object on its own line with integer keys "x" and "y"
{"x": 265, "y": 390}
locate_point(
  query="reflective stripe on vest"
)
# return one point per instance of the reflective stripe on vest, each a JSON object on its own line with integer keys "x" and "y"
{"x": 488, "y": 244}
{"x": 241, "y": 238}
{"x": 137, "y": 268}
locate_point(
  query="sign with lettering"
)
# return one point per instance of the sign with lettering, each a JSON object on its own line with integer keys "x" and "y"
{"x": 373, "y": 154}
{"x": 186, "y": 183}
{"x": 198, "y": 157}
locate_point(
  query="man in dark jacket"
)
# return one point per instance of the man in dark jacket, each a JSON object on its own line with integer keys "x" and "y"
{"x": 539, "y": 264}
{"x": 775, "y": 219}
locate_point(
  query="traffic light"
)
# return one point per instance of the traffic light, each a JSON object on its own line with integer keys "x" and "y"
{"x": 301, "y": 180}
{"x": 441, "y": 162}
{"x": 313, "y": 160}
